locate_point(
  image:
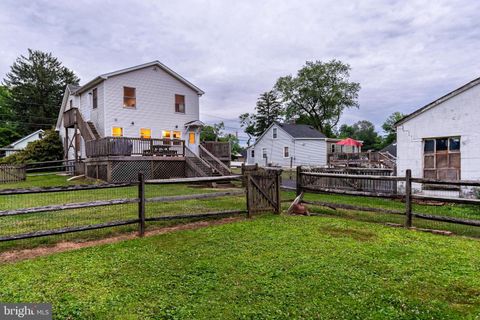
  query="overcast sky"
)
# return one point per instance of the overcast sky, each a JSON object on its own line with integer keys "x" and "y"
{"x": 403, "y": 53}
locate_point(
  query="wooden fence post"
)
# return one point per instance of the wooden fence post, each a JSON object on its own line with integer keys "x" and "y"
{"x": 141, "y": 204}
{"x": 408, "y": 198}
{"x": 299, "y": 180}
{"x": 278, "y": 181}
{"x": 246, "y": 178}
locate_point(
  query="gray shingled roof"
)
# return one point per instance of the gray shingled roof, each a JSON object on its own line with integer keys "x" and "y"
{"x": 301, "y": 130}
{"x": 391, "y": 148}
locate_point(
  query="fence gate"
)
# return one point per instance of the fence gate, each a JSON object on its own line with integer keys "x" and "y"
{"x": 263, "y": 189}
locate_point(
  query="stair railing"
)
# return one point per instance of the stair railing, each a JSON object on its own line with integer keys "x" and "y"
{"x": 83, "y": 126}
{"x": 214, "y": 161}
{"x": 197, "y": 164}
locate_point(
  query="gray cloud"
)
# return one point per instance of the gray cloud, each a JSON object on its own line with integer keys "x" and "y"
{"x": 404, "y": 53}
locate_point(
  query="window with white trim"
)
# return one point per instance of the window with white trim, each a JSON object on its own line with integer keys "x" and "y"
{"x": 252, "y": 153}
{"x": 274, "y": 133}
{"x": 145, "y": 133}
{"x": 286, "y": 153}
{"x": 264, "y": 153}
{"x": 117, "y": 132}
{"x": 129, "y": 97}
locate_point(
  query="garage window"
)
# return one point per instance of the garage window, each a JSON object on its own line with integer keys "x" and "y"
{"x": 441, "y": 158}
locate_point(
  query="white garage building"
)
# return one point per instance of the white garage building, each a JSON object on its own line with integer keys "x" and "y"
{"x": 442, "y": 139}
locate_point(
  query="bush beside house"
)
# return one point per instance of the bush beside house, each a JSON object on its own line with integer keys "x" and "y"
{"x": 47, "y": 149}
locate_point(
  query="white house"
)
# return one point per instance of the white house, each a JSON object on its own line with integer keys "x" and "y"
{"x": 147, "y": 101}
{"x": 442, "y": 139}
{"x": 288, "y": 145}
{"x": 22, "y": 143}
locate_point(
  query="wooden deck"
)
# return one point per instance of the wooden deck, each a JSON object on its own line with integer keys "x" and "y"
{"x": 125, "y": 146}
{"x": 371, "y": 159}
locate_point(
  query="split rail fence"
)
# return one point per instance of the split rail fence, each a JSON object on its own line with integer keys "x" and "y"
{"x": 65, "y": 210}
{"x": 404, "y": 189}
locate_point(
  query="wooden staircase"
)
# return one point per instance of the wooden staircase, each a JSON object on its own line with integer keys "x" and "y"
{"x": 198, "y": 166}
{"x": 218, "y": 167}
{"x": 93, "y": 129}
{"x": 73, "y": 118}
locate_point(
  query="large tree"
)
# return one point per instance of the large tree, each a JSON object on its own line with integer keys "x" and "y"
{"x": 36, "y": 83}
{"x": 319, "y": 93}
{"x": 8, "y": 132}
{"x": 389, "y": 127}
{"x": 365, "y": 131}
{"x": 268, "y": 110}
{"x": 212, "y": 132}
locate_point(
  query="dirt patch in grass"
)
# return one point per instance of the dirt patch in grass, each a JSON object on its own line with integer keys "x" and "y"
{"x": 357, "y": 234}
{"x": 17, "y": 255}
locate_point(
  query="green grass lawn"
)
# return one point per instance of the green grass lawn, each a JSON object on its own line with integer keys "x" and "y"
{"x": 269, "y": 267}
{"x": 44, "y": 180}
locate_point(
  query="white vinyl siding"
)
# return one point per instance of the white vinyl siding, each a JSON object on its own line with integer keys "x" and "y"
{"x": 155, "y": 97}
{"x": 301, "y": 151}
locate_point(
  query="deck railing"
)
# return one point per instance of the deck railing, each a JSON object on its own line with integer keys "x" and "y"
{"x": 124, "y": 146}
{"x": 371, "y": 157}
{"x": 73, "y": 116}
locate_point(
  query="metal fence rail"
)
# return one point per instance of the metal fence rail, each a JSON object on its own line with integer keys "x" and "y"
{"x": 12, "y": 173}
{"x": 418, "y": 208}
{"x": 46, "y": 213}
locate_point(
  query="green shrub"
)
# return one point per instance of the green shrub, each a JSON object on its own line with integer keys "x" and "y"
{"x": 46, "y": 149}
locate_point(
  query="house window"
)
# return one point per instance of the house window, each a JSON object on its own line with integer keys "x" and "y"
{"x": 264, "y": 153}
{"x": 177, "y": 135}
{"x": 333, "y": 148}
{"x": 179, "y": 103}
{"x": 285, "y": 152}
{"x": 441, "y": 158}
{"x": 274, "y": 133}
{"x": 71, "y": 104}
{"x": 117, "y": 132}
{"x": 191, "y": 138}
{"x": 252, "y": 153}
{"x": 145, "y": 133}
{"x": 129, "y": 98}
{"x": 94, "y": 98}
{"x": 166, "y": 134}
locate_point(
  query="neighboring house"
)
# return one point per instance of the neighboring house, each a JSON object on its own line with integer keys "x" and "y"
{"x": 391, "y": 149}
{"x": 22, "y": 143}
{"x": 332, "y": 147}
{"x": 288, "y": 145}
{"x": 442, "y": 139}
{"x": 145, "y": 101}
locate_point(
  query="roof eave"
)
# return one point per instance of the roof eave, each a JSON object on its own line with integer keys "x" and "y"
{"x": 440, "y": 100}
{"x": 89, "y": 84}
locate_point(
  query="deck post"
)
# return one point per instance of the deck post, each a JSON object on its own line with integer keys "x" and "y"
{"x": 299, "y": 180}
{"x": 408, "y": 198}
{"x": 141, "y": 204}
